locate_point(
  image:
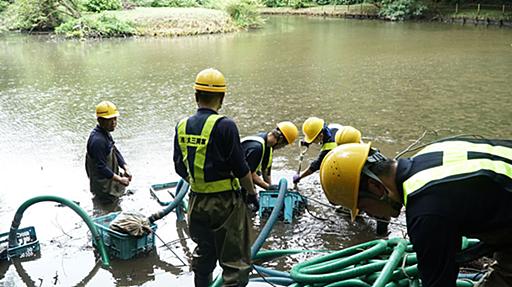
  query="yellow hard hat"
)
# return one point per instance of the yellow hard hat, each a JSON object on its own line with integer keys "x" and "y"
{"x": 348, "y": 134}
{"x": 210, "y": 80}
{"x": 340, "y": 174}
{"x": 106, "y": 110}
{"x": 289, "y": 131}
{"x": 311, "y": 128}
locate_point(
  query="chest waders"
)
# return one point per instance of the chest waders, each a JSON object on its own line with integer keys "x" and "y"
{"x": 460, "y": 159}
{"x": 218, "y": 221}
{"x": 200, "y": 143}
{"x": 100, "y": 186}
{"x": 263, "y": 147}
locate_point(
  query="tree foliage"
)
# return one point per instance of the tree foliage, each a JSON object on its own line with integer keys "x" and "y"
{"x": 41, "y": 14}
{"x": 102, "y": 5}
{"x": 96, "y": 27}
{"x": 245, "y": 13}
{"x": 401, "y": 9}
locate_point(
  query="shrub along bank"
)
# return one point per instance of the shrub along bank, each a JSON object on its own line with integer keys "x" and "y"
{"x": 121, "y": 18}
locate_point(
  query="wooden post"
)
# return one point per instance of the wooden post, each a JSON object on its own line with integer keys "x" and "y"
{"x": 503, "y": 9}
{"x": 361, "y": 9}
{"x": 456, "y": 8}
{"x": 478, "y": 9}
{"x": 348, "y": 8}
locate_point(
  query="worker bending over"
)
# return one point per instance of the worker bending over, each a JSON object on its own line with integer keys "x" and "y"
{"x": 452, "y": 188}
{"x": 317, "y": 131}
{"x": 258, "y": 152}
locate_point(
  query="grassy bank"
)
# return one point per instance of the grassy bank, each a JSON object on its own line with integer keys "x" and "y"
{"x": 176, "y": 21}
{"x": 114, "y": 18}
{"x": 326, "y": 10}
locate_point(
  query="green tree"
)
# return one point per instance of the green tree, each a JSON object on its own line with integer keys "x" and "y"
{"x": 41, "y": 14}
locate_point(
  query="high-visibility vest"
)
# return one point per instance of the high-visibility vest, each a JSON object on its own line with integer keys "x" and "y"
{"x": 328, "y": 146}
{"x": 331, "y": 145}
{"x": 459, "y": 160}
{"x": 263, "y": 146}
{"x": 200, "y": 143}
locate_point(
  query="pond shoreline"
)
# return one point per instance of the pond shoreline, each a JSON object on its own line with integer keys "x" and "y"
{"x": 363, "y": 13}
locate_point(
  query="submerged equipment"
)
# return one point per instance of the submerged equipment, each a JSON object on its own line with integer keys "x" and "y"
{"x": 98, "y": 240}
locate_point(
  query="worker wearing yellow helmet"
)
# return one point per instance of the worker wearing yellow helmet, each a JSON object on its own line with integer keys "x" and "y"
{"x": 209, "y": 156}
{"x": 259, "y": 150}
{"x": 451, "y": 188}
{"x": 103, "y": 160}
{"x": 317, "y": 131}
{"x": 347, "y": 134}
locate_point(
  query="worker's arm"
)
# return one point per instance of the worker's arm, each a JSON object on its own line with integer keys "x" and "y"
{"x": 121, "y": 179}
{"x": 267, "y": 176}
{"x": 247, "y": 184}
{"x": 257, "y": 180}
{"x": 436, "y": 241}
{"x": 304, "y": 174}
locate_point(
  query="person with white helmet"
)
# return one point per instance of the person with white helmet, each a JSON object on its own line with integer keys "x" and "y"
{"x": 209, "y": 156}
{"x": 259, "y": 150}
{"x": 103, "y": 160}
{"x": 451, "y": 188}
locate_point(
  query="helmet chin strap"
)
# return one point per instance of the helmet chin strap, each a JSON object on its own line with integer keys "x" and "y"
{"x": 385, "y": 197}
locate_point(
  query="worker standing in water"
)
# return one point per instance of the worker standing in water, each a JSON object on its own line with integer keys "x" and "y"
{"x": 317, "y": 131}
{"x": 258, "y": 151}
{"x": 103, "y": 160}
{"x": 209, "y": 156}
{"x": 451, "y": 188}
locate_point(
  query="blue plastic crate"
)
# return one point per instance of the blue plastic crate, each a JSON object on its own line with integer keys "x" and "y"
{"x": 293, "y": 203}
{"x": 120, "y": 245}
{"x": 28, "y": 244}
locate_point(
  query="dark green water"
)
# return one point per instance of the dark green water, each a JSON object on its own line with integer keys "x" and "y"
{"x": 390, "y": 80}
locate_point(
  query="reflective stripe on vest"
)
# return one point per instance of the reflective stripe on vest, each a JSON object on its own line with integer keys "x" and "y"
{"x": 456, "y": 162}
{"x": 200, "y": 142}
{"x": 263, "y": 146}
{"x": 328, "y": 146}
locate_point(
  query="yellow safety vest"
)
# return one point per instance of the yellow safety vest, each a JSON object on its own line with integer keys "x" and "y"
{"x": 328, "y": 146}
{"x": 263, "y": 146}
{"x": 200, "y": 142}
{"x": 455, "y": 162}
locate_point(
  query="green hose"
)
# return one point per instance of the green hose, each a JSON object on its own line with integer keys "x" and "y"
{"x": 316, "y": 270}
{"x": 393, "y": 261}
{"x": 19, "y": 215}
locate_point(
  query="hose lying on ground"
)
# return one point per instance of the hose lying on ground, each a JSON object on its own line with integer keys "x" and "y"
{"x": 377, "y": 263}
{"x": 182, "y": 189}
{"x": 96, "y": 236}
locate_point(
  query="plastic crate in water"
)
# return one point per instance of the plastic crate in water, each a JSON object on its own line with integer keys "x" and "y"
{"x": 120, "y": 245}
{"x": 28, "y": 244}
{"x": 294, "y": 203}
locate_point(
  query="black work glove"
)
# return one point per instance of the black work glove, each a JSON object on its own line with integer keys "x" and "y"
{"x": 382, "y": 228}
{"x": 304, "y": 143}
{"x": 252, "y": 199}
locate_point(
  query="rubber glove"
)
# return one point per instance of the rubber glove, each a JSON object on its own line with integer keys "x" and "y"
{"x": 296, "y": 179}
{"x": 253, "y": 199}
